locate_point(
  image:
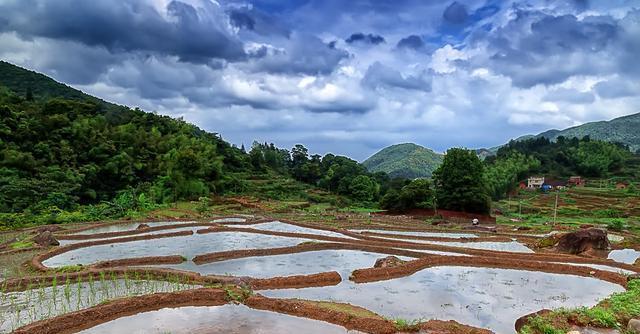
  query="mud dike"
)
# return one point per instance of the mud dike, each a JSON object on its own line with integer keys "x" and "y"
{"x": 278, "y": 276}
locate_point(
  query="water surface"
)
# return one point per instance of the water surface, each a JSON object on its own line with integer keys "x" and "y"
{"x": 229, "y": 319}
{"x": 481, "y": 297}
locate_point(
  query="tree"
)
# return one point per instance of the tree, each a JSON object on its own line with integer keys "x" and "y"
{"x": 363, "y": 188}
{"x": 416, "y": 195}
{"x": 460, "y": 183}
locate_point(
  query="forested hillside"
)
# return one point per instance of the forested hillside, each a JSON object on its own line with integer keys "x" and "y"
{"x": 61, "y": 149}
{"x": 405, "y": 160}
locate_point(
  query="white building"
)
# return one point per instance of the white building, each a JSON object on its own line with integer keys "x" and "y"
{"x": 535, "y": 182}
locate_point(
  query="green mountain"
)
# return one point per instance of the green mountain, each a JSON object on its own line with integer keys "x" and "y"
{"x": 404, "y": 160}
{"x": 623, "y": 130}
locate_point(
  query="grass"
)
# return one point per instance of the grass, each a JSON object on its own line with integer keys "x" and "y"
{"x": 353, "y": 311}
{"x": 69, "y": 268}
{"x": 613, "y": 312}
{"x": 407, "y": 325}
{"x": 21, "y": 244}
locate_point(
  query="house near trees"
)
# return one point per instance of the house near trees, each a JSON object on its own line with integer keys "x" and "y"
{"x": 577, "y": 181}
{"x": 535, "y": 182}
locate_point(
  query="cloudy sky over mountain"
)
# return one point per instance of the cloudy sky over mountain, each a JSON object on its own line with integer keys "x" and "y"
{"x": 347, "y": 77}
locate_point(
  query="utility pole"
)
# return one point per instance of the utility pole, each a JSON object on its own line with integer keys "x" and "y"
{"x": 555, "y": 208}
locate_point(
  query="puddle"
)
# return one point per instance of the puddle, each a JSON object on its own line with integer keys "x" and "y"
{"x": 22, "y": 308}
{"x": 600, "y": 267}
{"x": 187, "y": 246}
{"x": 177, "y": 229}
{"x": 482, "y": 297}
{"x": 422, "y": 234}
{"x": 512, "y": 246}
{"x": 229, "y": 220}
{"x": 232, "y": 319}
{"x": 125, "y": 227}
{"x": 277, "y": 226}
{"x": 342, "y": 261}
{"x": 628, "y": 255}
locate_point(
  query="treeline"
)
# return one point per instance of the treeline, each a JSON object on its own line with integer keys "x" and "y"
{"x": 337, "y": 174}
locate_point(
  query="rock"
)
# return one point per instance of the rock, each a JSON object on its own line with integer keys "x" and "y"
{"x": 525, "y": 318}
{"x": 142, "y": 226}
{"x": 45, "y": 239}
{"x": 632, "y": 277}
{"x": 388, "y": 262}
{"x": 583, "y": 240}
{"x": 633, "y": 326}
{"x": 573, "y": 332}
{"x": 586, "y": 226}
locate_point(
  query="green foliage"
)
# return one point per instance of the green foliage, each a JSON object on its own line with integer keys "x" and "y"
{"x": 404, "y": 160}
{"x": 460, "y": 183}
{"x": 541, "y": 325}
{"x": 203, "y": 205}
{"x": 407, "y": 325}
{"x": 418, "y": 194}
{"x": 504, "y": 174}
{"x": 62, "y": 148}
{"x": 363, "y": 188}
{"x": 565, "y": 157}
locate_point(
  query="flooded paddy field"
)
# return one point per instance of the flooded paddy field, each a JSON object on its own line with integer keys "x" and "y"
{"x": 298, "y": 262}
{"x": 482, "y": 297}
{"x": 233, "y": 319}
{"x": 44, "y": 302}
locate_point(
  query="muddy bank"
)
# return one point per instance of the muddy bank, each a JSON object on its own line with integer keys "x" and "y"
{"x": 298, "y": 281}
{"x": 411, "y": 267}
{"x": 130, "y": 232}
{"x": 173, "y": 275}
{"x": 304, "y": 247}
{"x": 139, "y": 261}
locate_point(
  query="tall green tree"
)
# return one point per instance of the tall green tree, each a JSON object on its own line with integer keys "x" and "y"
{"x": 460, "y": 183}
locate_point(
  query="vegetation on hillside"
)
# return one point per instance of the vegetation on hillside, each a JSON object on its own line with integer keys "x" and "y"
{"x": 555, "y": 160}
{"x": 405, "y": 160}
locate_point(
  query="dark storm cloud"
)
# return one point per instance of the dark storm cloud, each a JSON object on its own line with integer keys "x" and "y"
{"x": 257, "y": 21}
{"x": 306, "y": 54}
{"x": 455, "y": 13}
{"x": 411, "y": 42}
{"x": 379, "y": 75}
{"x": 365, "y": 38}
{"x": 192, "y": 34}
{"x": 535, "y": 48}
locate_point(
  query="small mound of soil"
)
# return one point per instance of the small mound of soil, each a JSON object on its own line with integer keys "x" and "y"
{"x": 388, "y": 262}
{"x": 583, "y": 240}
{"x": 46, "y": 239}
{"x": 142, "y": 227}
{"x": 49, "y": 228}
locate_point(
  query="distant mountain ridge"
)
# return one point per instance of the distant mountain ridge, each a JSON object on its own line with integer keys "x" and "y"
{"x": 622, "y": 129}
{"x": 404, "y": 160}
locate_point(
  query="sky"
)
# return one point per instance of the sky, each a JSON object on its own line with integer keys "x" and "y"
{"x": 347, "y": 77}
